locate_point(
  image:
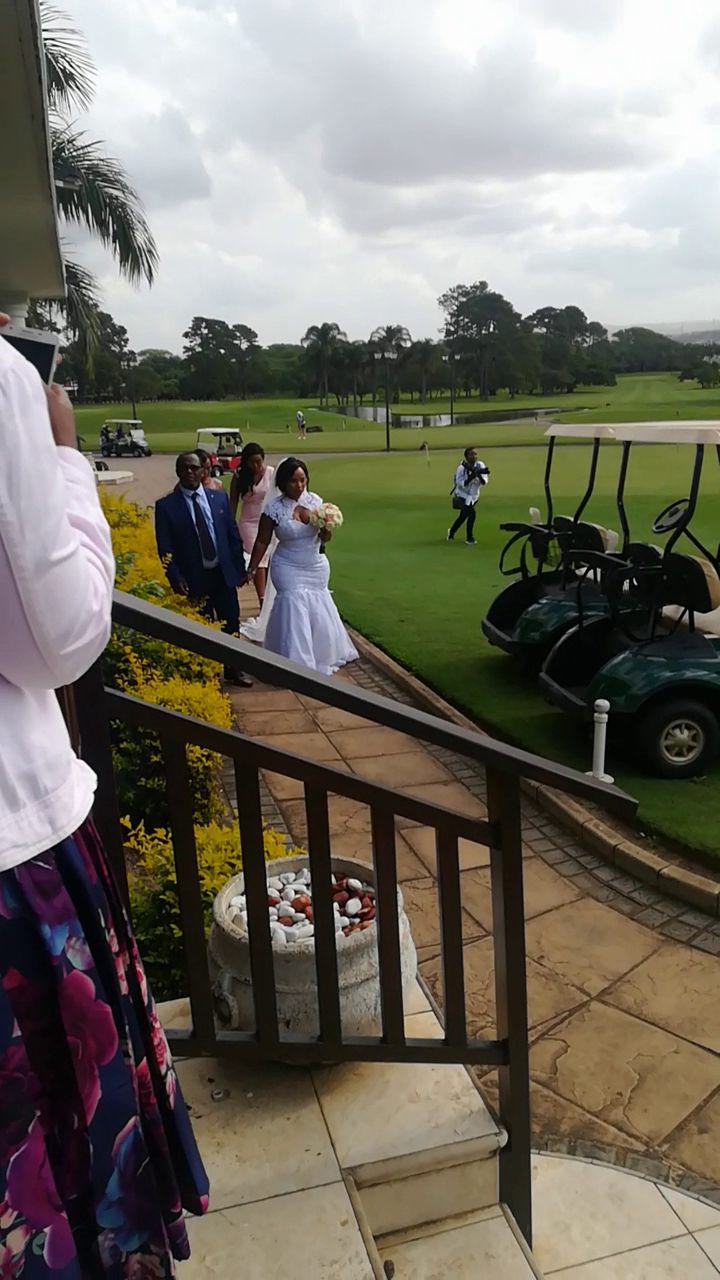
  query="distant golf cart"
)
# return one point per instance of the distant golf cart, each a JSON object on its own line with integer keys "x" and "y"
{"x": 647, "y": 656}
{"x": 223, "y": 446}
{"x": 123, "y": 438}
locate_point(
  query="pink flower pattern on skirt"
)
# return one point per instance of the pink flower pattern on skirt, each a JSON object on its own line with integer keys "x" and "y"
{"x": 97, "y": 1156}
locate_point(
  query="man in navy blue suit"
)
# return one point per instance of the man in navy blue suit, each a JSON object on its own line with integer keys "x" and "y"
{"x": 199, "y": 544}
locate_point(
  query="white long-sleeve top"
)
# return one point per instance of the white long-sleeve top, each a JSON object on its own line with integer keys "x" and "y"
{"x": 468, "y": 490}
{"x": 56, "y": 579}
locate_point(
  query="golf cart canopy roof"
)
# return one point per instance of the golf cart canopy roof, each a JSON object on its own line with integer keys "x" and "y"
{"x": 217, "y": 431}
{"x": 673, "y": 432}
{"x": 122, "y": 422}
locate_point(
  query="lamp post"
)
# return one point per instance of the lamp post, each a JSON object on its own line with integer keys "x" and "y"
{"x": 449, "y": 360}
{"x": 385, "y": 356}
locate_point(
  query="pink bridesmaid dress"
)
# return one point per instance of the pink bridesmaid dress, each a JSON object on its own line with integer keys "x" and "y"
{"x": 250, "y": 511}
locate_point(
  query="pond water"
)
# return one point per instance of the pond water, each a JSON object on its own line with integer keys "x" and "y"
{"x": 370, "y": 413}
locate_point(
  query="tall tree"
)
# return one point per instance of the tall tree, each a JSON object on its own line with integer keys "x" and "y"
{"x": 390, "y": 340}
{"x": 320, "y": 340}
{"x": 93, "y": 190}
{"x": 479, "y": 325}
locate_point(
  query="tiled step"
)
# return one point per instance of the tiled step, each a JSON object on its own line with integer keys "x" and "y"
{"x": 467, "y": 1247}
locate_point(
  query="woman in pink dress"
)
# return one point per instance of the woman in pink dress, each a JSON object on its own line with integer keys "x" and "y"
{"x": 249, "y": 488}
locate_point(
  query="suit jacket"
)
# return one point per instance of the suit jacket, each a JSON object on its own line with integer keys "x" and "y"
{"x": 179, "y": 548}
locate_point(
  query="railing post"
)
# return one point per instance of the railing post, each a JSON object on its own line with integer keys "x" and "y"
{"x": 511, "y": 994}
{"x": 96, "y": 750}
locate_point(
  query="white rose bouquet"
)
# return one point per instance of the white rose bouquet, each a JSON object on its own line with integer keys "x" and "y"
{"x": 326, "y": 517}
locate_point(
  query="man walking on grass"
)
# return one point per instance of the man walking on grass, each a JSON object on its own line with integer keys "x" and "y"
{"x": 470, "y": 476}
{"x": 199, "y": 544}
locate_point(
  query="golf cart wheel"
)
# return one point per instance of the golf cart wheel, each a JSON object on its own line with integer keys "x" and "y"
{"x": 216, "y": 471}
{"x": 106, "y": 451}
{"x": 148, "y": 453}
{"x": 679, "y": 739}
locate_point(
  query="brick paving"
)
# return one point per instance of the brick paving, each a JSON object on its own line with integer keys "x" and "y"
{"x": 622, "y": 981}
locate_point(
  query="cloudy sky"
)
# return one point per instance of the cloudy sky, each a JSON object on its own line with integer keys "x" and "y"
{"x": 347, "y": 160}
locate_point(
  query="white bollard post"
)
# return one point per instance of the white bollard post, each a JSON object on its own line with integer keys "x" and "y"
{"x": 600, "y": 718}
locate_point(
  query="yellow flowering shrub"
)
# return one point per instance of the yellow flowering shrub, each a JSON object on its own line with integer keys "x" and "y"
{"x": 153, "y": 891}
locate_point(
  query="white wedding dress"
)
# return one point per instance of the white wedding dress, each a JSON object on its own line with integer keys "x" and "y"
{"x": 304, "y": 624}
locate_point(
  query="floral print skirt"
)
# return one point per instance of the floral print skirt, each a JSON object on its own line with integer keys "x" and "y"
{"x": 97, "y": 1156}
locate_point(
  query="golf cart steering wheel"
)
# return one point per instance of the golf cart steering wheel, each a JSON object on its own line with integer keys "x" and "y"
{"x": 671, "y": 516}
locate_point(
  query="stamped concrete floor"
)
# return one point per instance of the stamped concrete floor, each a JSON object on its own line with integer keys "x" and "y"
{"x": 623, "y": 983}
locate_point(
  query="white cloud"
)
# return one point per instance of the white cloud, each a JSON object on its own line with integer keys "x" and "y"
{"x": 339, "y": 159}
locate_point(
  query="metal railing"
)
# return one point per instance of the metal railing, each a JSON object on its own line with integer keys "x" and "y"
{"x": 96, "y": 707}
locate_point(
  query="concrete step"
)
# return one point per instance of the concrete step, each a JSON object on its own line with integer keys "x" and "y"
{"x": 466, "y": 1247}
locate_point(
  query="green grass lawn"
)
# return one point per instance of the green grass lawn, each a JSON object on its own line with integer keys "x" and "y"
{"x": 171, "y": 426}
{"x": 422, "y": 599}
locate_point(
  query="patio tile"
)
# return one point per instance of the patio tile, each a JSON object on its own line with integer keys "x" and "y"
{"x": 557, "y": 1118}
{"x": 422, "y": 840}
{"x": 631, "y": 1074}
{"x": 680, "y": 1259}
{"x": 284, "y": 788}
{"x": 677, "y": 988}
{"x": 588, "y": 943}
{"x": 314, "y": 746}
{"x": 354, "y": 744}
{"x": 401, "y": 770}
{"x": 485, "y": 1248}
{"x": 549, "y": 996}
{"x": 331, "y": 719}
{"x": 267, "y": 1111}
{"x": 710, "y": 1242}
{"x": 584, "y": 1211}
{"x": 696, "y": 1144}
{"x": 423, "y": 912}
{"x": 266, "y": 699}
{"x": 694, "y": 1213}
{"x": 451, "y": 795}
{"x": 261, "y": 723}
{"x": 544, "y": 890}
{"x": 311, "y": 1233}
{"x": 381, "y": 1111}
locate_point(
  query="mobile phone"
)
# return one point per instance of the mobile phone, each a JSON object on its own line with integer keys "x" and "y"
{"x": 36, "y": 345}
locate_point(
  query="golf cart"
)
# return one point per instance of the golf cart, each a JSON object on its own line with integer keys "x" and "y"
{"x": 560, "y": 564}
{"x": 224, "y": 447}
{"x": 123, "y": 438}
{"x": 648, "y": 656}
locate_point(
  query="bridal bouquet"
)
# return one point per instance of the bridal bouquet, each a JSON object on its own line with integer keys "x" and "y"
{"x": 326, "y": 516}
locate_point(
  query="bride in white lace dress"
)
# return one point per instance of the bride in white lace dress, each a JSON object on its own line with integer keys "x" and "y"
{"x": 304, "y": 625}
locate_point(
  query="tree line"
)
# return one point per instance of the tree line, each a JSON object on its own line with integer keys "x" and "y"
{"x": 485, "y": 346}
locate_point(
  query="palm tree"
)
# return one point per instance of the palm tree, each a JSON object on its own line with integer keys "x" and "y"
{"x": 390, "y": 339}
{"x": 321, "y": 340}
{"x": 93, "y": 189}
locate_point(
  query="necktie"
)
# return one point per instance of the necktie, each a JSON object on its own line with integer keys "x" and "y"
{"x": 207, "y": 545}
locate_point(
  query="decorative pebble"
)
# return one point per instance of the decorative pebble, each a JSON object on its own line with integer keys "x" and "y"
{"x": 290, "y": 909}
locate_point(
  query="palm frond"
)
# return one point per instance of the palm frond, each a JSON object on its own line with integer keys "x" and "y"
{"x": 81, "y": 309}
{"x": 100, "y": 196}
{"x": 70, "y": 69}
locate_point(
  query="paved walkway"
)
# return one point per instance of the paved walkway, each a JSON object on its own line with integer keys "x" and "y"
{"x": 623, "y": 983}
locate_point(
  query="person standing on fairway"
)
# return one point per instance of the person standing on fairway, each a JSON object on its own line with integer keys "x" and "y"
{"x": 470, "y": 476}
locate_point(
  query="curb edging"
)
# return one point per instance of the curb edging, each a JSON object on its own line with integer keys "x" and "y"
{"x": 657, "y": 870}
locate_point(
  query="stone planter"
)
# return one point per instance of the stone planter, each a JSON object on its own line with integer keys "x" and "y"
{"x": 295, "y": 977}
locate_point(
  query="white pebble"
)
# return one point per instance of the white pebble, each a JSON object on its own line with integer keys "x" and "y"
{"x": 344, "y": 922}
{"x": 277, "y": 935}
{"x": 304, "y": 931}
{"x": 353, "y": 907}
{"x": 336, "y": 908}
{"x": 273, "y": 895}
{"x": 285, "y": 911}
{"x": 287, "y": 877}
{"x": 289, "y": 893}
{"x": 333, "y": 880}
{"x": 302, "y": 877}
{"x": 272, "y": 912}
{"x": 299, "y": 916}
{"x": 290, "y": 932}
{"x": 355, "y": 886}
{"x": 275, "y": 883}
{"x": 338, "y": 924}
